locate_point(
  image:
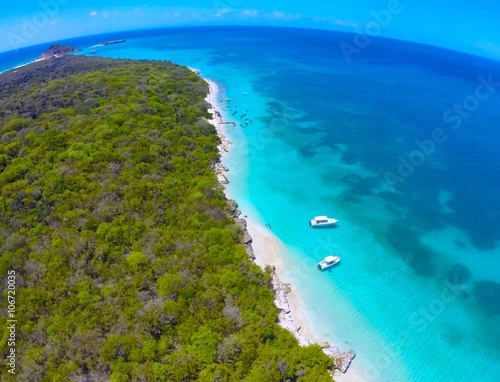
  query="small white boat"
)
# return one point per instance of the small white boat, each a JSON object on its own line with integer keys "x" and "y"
{"x": 322, "y": 221}
{"x": 328, "y": 262}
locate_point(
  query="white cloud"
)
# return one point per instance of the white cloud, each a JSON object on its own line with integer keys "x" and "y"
{"x": 250, "y": 13}
{"x": 53, "y": 21}
{"x": 344, "y": 23}
{"x": 93, "y": 13}
{"x": 278, "y": 15}
{"x": 335, "y": 21}
{"x": 222, "y": 12}
{"x": 489, "y": 47}
{"x": 105, "y": 14}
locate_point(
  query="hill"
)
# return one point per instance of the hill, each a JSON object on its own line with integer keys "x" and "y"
{"x": 57, "y": 50}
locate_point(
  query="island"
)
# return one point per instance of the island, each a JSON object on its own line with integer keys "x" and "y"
{"x": 56, "y": 51}
{"x": 113, "y": 42}
{"x": 129, "y": 261}
{"x": 110, "y": 43}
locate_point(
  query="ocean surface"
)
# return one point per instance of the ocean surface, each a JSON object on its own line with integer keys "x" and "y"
{"x": 401, "y": 144}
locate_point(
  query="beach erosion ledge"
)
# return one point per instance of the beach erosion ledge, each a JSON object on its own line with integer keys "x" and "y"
{"x": 265, "y": 250}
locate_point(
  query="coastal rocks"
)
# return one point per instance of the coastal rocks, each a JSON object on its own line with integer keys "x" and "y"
{"x": 247, "y": 239}
{"x": 222, "y": 179}
{"x": 285, "y": 319}
{"x": 247, "y": 243}
{"x": 250, "y": 253}
{"x": 219, "y": 171}
{"x": 242, "y": 223}
{"x": 324, "y": 345}
{"x": 235, "y": 213}
{"x": 346, "y": 359}
{"x": 341, "y": 360}
{"x": 233, "y": 209}
{"x": 224, "y": 146}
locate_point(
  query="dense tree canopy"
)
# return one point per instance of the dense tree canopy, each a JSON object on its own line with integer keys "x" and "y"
{"x": 128, "y": 264}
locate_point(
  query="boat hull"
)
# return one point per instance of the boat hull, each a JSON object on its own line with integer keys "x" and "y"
{"x": 325, "y": 264}
{"x": 320, "y": 225}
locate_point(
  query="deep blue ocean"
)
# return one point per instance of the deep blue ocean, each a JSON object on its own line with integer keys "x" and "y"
{"x": 402, "y": 145}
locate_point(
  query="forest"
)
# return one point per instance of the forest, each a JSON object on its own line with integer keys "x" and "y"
{"x": 128, "y": 264}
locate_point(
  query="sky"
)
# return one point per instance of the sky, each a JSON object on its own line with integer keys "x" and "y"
{"x": 467, "y": 26}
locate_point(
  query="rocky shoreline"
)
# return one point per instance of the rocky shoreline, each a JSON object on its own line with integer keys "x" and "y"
{"x": 341, "y": 360}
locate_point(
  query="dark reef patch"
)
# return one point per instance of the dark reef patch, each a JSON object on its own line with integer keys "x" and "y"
{"x": 458, "y": 274}
{"x": 404, "y": 241}
{"x": 487, "y": 295}
{"x": 351, "y": 179}
{"x": 359, "y": 185}
{"x": 350, "y": 198}
{"x": 308, "y": 151}
{"x": 349, "y": 158}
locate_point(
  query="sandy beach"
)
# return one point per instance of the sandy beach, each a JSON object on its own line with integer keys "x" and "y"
{"x": 268, "y": 249}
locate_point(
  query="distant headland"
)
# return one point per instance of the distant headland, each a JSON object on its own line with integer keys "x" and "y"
{"x": 57, "y": 50}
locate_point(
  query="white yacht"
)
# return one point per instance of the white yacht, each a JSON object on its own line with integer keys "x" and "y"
{"x": 328, "y": 262}
{"x": 322, "y": 221}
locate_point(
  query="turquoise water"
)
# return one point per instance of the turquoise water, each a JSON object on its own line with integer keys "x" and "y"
{"x": 417, "y": 293}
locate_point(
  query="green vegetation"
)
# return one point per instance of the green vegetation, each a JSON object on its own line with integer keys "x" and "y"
{"x": 128, "y": 264}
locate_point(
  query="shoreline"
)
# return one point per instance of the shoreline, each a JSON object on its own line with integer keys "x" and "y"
{"x": 265, "y": 249}
{"x": 218, "y": 123}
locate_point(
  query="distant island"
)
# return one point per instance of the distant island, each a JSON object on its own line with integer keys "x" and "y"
{"x": 56, "y": 51}
{"x": 111, "y": 42}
